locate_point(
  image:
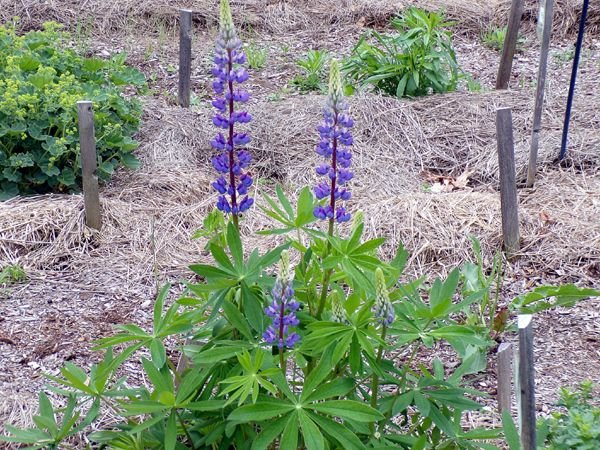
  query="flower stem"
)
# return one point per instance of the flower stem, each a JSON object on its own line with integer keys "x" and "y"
{"x": 375, "y": 381}
{"x": 234, "y": 213}
{"x": 326, "y": 276}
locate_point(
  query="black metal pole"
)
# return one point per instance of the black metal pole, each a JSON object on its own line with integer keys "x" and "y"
{"x": 563, "y": 146}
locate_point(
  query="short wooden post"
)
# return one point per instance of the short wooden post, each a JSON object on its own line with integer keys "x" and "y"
{"x": 508, "y": 185}
{"x": 504, "y": 376}
{"x": 539, "y": 97}
{"x": 526, "y": 382}
{"x": 185, "y": 57}
{"x": 510, "y": 44}
{"x": 89, "y": 164}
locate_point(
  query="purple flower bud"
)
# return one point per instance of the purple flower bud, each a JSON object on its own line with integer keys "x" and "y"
{"x": 241, "y": 75}
{"x": 246, "y": 203}
{"x": 220, "y": 185}
{"x": 341, "y": 215}
{"x": 241, "y": 117}
{"x": 244, "y": 158}
{"x": 223, "y": 205}
{"x": 322, "y": 169}
{"x": 220, "y": 121}
{"x": 221, "y": 163}
{"x": 220, "y": 104}
{"x": 241, "y": 138}
{"x": 322, "y": 190}
{"x": 219, "y": 142}
{"x": 218, "y": 86}
{"x": 344, "y": 175}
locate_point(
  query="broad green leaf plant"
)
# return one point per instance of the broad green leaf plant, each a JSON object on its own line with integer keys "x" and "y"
{"x": 41, "y": 80}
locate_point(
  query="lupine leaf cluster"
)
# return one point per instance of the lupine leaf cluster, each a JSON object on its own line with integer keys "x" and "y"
{"x": 289, "y": 348}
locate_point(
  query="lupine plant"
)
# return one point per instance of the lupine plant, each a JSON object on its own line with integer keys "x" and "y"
{"x": 319, "y": 353}
{"x": 233, "y": 158}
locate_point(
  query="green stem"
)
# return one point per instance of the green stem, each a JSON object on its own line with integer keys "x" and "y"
{"x": 327, "y": 275}
{"x": 375, "y": 381}
{"x": 185, "y": 430}
{"x": 235, "y": 219}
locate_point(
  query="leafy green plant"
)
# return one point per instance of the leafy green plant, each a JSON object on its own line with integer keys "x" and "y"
{"x": 494, "y": 38}
{"x": 312, "y": 67}
{"x": 416, "y": 60}
{"x": 257, "y": 56}
{"x": 41, "y": 79}
{"x": 578, "y": 425}
{"x": 12, "y": 273}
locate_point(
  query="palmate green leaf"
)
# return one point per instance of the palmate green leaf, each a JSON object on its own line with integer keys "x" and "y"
{"x": 289, "y": 437}
{"x": 261, "y": 410}
{"x": 270, "y": 431}
{"x": 335, "y": 388}
{"x": 510, "y": 432}
{"x": 546, "y": 297}
{"x": 237, "y": 319}
{"x": 347, "y": 409}
{"x": 313, "y": 438}
{"x": 171, "y": 432}
{"x": 346, "y": 438}
{"x": 319, "y": 373}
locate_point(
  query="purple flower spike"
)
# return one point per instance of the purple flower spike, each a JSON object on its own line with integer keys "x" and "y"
{"x": 232, "y": 158}
{"x": 335, "y": 138}
{"x": 282, "y": 309}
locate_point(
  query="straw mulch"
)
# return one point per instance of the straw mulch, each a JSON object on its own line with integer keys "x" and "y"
{"x": 150, "y": 214}
{"x": 566, "y": 16}
{"x": 108, "y": 16}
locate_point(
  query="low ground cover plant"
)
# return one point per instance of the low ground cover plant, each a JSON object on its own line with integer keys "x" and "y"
{"x": 41, "y": 80}
{"x": 418, "y": 59}
{"x": 313, "y": 344}
{"x": 313, "y": 67}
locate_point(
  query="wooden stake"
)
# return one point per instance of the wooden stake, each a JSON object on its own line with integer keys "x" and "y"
{"x": 526, "y": 382}
{"x": 185, "y": 57}
{"x": 89, "y": 164}
{"x": 504, "y": 376}
{"x": 510, "y": 44}
{"x": 508, "y": 185}
{"x": 539, "y": 97}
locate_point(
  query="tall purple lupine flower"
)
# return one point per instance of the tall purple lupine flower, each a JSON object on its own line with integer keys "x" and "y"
{"x": 282, "y": 309}
{"x": 335, "y": 140}
{"x": 233, "y": 182}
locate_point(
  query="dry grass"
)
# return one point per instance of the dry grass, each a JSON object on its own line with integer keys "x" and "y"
{"x": 566, "y": 16}
{"x": 278, "y": 16}
{"x": 150, "y": 214}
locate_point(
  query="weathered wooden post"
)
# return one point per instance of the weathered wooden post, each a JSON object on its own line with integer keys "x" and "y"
{"x": 526, "y": 383}
{"x": 547, "y": 7}
{"x": 508, "y": 185}
{"x": 89, "y": 164}
{"x": 185, "y": 57}
{"x": 510, "y": 44}
{"x": 504, "y": 376}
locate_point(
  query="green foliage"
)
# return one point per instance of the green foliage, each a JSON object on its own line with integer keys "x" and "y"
{"x": 12, "y": 274}
{"x": 257, "y": 56}
{"x": 416, "y": 60}
{"x": 41, "y": 79}
{"x": 547, "y": 297}
{"x": 578, "y": 427}
{"x": 494, "y": 38}
{"x": 313, "y": 76}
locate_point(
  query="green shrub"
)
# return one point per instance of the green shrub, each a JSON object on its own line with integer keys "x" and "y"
{"x": 41, "y": 79}
{"x": 313, "y": 74}
{"x": 417, "y": 60}
{"x": 494, "y": 38}
{"x": 579, "y": 426}
{"x": 257, "y": 56}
